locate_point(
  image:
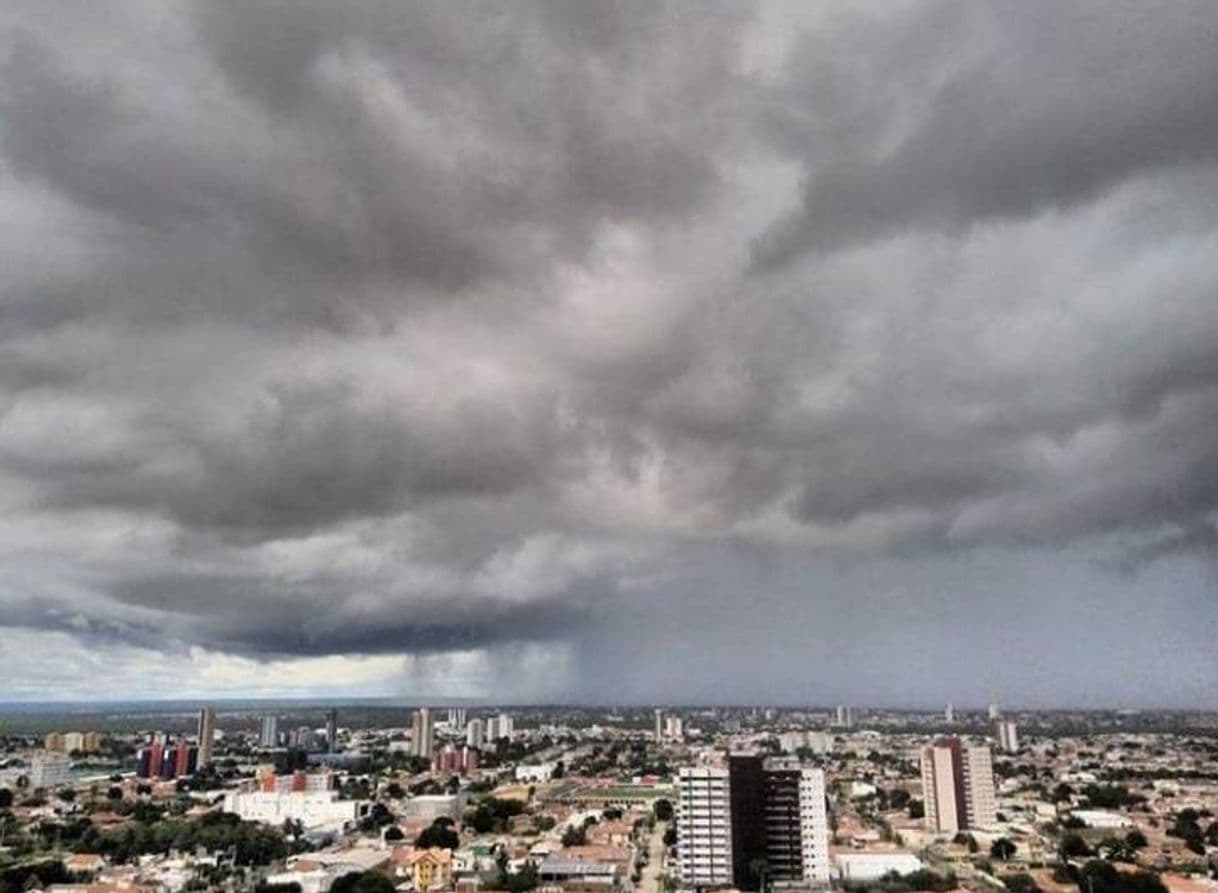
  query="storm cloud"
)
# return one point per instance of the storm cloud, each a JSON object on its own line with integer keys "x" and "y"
{"x": 473, "y": 333}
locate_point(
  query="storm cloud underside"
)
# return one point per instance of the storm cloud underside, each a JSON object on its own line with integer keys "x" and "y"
{"x": 641, "y": 351}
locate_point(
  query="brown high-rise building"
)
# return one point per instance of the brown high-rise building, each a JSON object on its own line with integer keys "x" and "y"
{"x": 957, "y": 785}
{"x": 207, "y": 735}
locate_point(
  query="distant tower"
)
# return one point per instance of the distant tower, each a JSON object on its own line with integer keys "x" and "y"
{"x": 422, "y": 733}
{"x": 331, "y": 730}
{"x": 995, "y": 713}
{"x": 949, "y": 714}
{"x": 1007, "y": 735}
{"x": 844, "y": 716}
{"x": 207, "y": 736}
{"x": 659, "y": 733}
{"x": 473, "y": 733}
{"x": 270, "y": 731}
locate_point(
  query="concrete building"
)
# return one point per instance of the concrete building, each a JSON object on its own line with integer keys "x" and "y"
{"x": 754, "y": 812}
{"x": 311, "y": 808}
{"x": 704, "y": 833}
{"x": 674, "y": 728}
{"x": 957, "y": 785}
{"x": 331, "y": 730}
{"x": 269, "y": 736}
{"x": 507, "y": 727}
{"x": 207, "y": 736}
{"x": 535, "y": 772}
{"x": 844, "y": 717}
{"x": 50, "y": 770}
{"x": 949, "y": 714}
{"x": 659, "y": 728}
{"x": 456, "y": 718}
{"x": 1007, "y": 735}
{"x": 422, "y": 733}
{"x": 861, "y": 867}
{"x": 473, "y": 733}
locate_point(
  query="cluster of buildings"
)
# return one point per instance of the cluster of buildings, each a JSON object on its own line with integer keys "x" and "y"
{"x": 73, "y": 742}
{"x": 164, "y": 758}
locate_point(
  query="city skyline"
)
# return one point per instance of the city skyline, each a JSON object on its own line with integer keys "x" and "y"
{"x": 641, "y": 353}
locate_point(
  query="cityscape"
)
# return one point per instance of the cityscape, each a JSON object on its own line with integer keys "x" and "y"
{"x": 617, "y": 800}
{"x": 609, "y": 446}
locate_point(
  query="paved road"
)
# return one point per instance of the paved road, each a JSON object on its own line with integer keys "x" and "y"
{"x": 650, "y": 881}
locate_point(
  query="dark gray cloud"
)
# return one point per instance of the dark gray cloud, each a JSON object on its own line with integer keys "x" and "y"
{"x": 1038, "y": 106}
{"x": 440, "y": 330}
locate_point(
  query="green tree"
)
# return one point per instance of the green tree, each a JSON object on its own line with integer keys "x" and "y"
{"x": 439, "y": 834}
{"x": 663, "y": 810}
{"x": 1072, "y": 846}
{"x": 362, "y": 882}
{"x": 1021, "y": 882}
{"x": 1003, "y": 848}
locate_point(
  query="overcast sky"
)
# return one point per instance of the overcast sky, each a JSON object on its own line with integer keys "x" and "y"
{"x": 615, "y": 351}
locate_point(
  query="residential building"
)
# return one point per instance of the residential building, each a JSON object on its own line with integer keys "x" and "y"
{"x": 473, "y": 733}
{"x": 949, "y": 714}
{"x": 207, "y": 736}
{"x": 704, "y": 833}
{"x": 957, "y": 785}
{"x": 422, "y": 733}
{"x": 50, "y": 770}
{"x": 844, "y": 717}
{"x": 269, "y": 737}
{"x": 506, "y": 726}
{"x": 659, "y": 717}
{"x": 1007, "y": 735}
{"x": 331, "y": 730}
{"x": 753, "y": 823}
{"x": 430, "y": 869}
{"x": 310, "y": 808}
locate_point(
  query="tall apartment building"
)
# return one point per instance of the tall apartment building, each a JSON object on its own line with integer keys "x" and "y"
{"x": 958, "y": 785}
{"x": 456, "y": 717}
{"x": 754, "y": 817}
{"x": 422, "y": 733}
{"x": 507, "y": 726}
{"x": 473, "y": 733}
{"x": 704, "y": 826}
{"x": 844, "y": 717}
{"x": 331, "y": 730}
{"x": 949, "y": 714}
{"x": 269, "y": 736}
{"x": 206, "y": 736}
{"x": 659, "y": 718}
{"x": 1007, "y": 735}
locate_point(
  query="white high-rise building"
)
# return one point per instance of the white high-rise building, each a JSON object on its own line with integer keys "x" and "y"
{"x": 754, "y": 811}
{"x": 994, "y": 711}
{"x": 269, "y": 737}
{"x": 949, "y": 714}
{"x": 958, "y": 786}
{"x": 1007, "y": 735}
{"x": 473, "y": 733}
{"x": 844, "y": 717}
{"x": 659, "y": 733}
{"x": 422, "y": 733}
{"x": 456, "y": 717}
{"x": 704, "y": 826}
{"x": 50, "y": 770}
{"x": 674, "y": 728}
{"x": 506, "y": 726}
